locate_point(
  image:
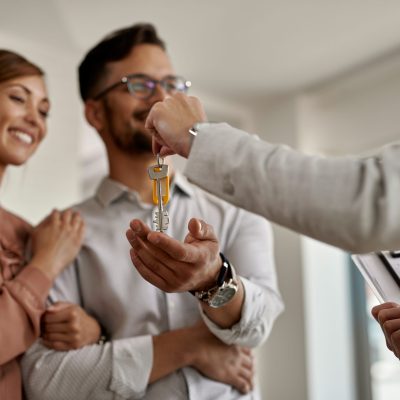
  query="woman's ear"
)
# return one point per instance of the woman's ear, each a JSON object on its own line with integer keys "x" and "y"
{"x": 94, "y": 114}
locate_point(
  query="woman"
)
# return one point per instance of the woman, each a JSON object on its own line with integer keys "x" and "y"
{"x": 24, "y": 284}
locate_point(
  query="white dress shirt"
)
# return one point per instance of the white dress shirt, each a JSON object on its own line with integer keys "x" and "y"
{"x": 104, "y": 282}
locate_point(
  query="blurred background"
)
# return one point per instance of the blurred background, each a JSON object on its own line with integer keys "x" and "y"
{"x": 320, "y": 76}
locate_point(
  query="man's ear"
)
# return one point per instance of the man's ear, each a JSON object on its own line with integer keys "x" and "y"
{"x": 94, "y": 114}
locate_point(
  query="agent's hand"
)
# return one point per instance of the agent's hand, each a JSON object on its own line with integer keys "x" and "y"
{"x": 56, "y": 241}
{"x": 67, "y": 326}
{"x": 173, "y": 266}
{"x": 388, "y": 316}
{"x": 230, "y": 364}
{"x": 169, "y": 122}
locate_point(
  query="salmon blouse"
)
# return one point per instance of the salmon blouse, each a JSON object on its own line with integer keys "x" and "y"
{"x": 23, "y": 291}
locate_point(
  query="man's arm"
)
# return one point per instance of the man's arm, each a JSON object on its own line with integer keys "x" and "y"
{"x": 348, "y": 202}
{"x": 197, "y": 347}
{"x": 173, "y": 266}
{"x": 250, "y": 249}
{"x": 122, "y": 369}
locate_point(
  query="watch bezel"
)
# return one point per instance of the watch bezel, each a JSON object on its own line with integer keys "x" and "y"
{"x": 226, "y": 292}
{"x": 226, "y": 283}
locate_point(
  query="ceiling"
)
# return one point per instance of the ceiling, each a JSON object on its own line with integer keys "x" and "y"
{"x": 230, "y": 48}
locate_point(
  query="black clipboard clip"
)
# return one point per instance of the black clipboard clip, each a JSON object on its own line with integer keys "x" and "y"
{"x": 386, "y": 262}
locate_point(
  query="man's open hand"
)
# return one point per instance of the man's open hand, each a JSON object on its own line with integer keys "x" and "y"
{"x": 173, "y": 266}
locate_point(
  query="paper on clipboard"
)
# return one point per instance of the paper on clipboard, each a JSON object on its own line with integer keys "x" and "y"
{"x": 380, "y": 278}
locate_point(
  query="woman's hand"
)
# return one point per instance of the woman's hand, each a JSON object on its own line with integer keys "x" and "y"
{"x": 67, "y": 326}
{"x": 56, "y": 241}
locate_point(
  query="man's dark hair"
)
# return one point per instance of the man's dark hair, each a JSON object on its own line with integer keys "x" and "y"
{"x": 114, "y": 47}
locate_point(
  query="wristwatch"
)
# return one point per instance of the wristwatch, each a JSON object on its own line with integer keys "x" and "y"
{"x": 225, "y": 288}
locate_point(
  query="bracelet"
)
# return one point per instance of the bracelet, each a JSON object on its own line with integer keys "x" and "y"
{"x": 103, "y": 336}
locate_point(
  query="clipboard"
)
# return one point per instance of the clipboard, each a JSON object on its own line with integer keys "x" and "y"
{"x": 381, "y": 271}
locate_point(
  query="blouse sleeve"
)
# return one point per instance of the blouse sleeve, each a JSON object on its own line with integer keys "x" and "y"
{"x": 22, "y": 303}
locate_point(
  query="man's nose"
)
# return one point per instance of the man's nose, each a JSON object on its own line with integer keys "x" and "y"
{"x": 159, "y": 93}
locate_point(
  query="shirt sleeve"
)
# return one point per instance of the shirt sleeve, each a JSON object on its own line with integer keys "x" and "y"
{"x": 304, "y": 193}
{"x": 21, "y": 306}
{"x": 119, "y": 369}
{"x": 250, "y": 250}
{"x": 116, "y": 370}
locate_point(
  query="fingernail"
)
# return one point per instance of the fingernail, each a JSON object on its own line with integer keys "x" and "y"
{"x": 153, "y": 238}
{"x": 136, "y": 227}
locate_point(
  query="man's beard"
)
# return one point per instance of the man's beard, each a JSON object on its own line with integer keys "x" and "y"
{"x": 132, "y": 141}
{"x": 129, "y": 139}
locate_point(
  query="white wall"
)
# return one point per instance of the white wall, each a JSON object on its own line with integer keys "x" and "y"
{"x": 351, "y": 114}
{"x": 282, "y": 360}
{"x": 355, "y": 113}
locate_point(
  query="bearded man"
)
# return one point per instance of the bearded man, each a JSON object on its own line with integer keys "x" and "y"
{"x": 161, "y": 345}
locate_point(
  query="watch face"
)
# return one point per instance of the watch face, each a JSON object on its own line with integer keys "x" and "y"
{"x": 223, "y": 296}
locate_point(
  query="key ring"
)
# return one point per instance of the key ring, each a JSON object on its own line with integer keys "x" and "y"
{"x": 160, "y": 160}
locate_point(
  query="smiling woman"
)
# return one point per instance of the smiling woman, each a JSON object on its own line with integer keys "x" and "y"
{"x": 23, "y": 109}
{"x": 24, "y": 282}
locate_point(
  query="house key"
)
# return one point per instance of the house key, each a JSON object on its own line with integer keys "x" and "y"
{"x": 159, "y": 175}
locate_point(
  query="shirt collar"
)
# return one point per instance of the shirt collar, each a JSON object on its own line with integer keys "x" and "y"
{"x": 110, "y": 190}
{"x": 181, "y": 183}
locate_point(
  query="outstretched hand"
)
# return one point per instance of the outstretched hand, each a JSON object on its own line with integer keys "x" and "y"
{"x": 173, "y": 266}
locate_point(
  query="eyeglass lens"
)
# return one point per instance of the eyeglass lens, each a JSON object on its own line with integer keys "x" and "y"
{"x": 142, "y": 87}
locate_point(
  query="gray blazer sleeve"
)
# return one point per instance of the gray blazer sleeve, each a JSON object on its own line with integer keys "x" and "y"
{"x": 349, "y": 202}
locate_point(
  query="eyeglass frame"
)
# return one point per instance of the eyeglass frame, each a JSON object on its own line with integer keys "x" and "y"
{"x": 125, "y": 80}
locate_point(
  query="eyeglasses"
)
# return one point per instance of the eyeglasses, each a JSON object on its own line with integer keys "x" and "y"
{"x": 143, "y": 87}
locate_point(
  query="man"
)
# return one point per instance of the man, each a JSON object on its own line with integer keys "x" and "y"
{"x": 348, "y": 202}
{"x": 163, "y": 345}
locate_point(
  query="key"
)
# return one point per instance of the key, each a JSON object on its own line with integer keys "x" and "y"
{"x": 159, "y": 174}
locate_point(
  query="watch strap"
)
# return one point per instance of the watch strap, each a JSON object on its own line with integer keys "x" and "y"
{"x": 226, "y": 274}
